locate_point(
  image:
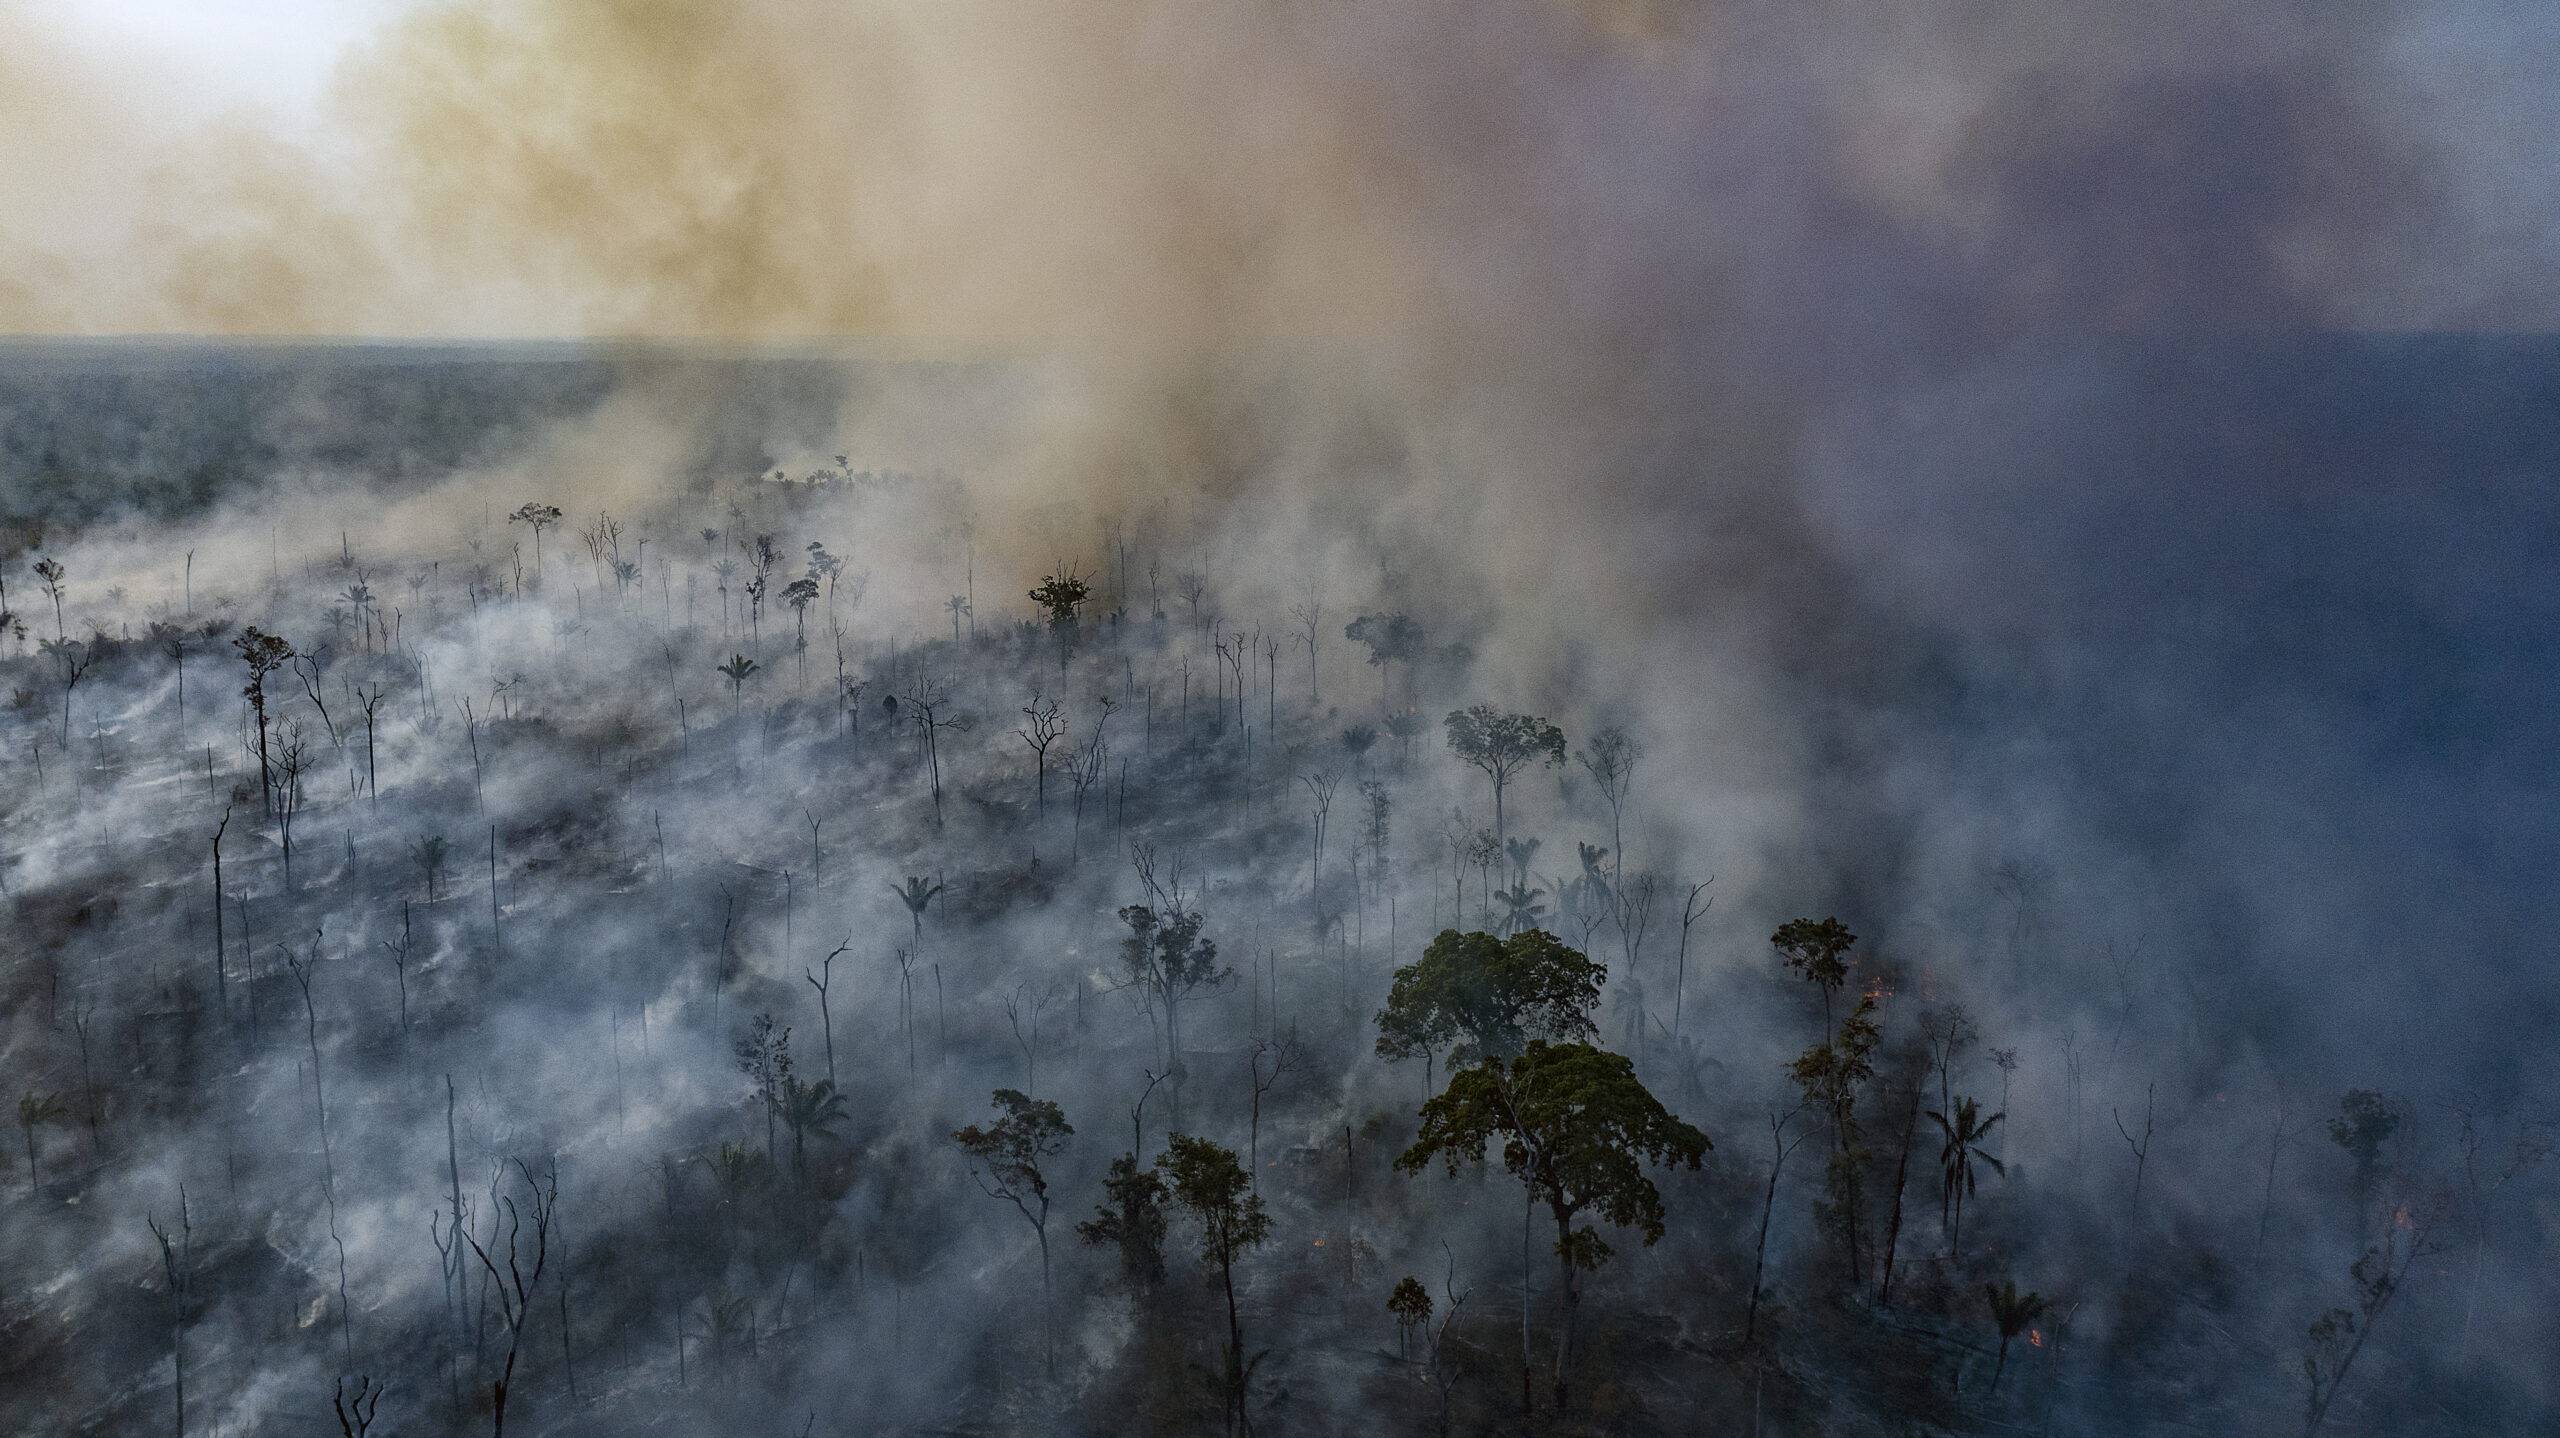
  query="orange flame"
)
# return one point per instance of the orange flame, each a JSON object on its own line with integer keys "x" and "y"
{"x": 2036, "y": 1337}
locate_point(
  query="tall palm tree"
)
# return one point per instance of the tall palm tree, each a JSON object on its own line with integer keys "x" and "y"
{"x": 1964, "y": 1138}
{"x": 2012, "y": 1311}
{"x": 915, "y": 894}
{"x": 1521, "y": 909}
{"x": 737, "y": 670}
{"x": 810, "y": 1108}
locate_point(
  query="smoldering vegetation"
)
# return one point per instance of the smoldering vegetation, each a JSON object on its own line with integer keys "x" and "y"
{"x": 608, "y": 971}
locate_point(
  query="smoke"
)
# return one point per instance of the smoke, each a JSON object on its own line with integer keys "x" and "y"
{"x": 1981, "y": 450}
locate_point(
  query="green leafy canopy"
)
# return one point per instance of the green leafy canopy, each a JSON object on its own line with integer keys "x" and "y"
{"x": 1577, "y": 1127}
{"x": 1494, "y": 994}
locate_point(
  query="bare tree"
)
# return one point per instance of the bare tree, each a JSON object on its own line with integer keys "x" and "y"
{"x": 304, "y": 970}
{"x": 1319, "y": 790}
{"x": 2141, "y": 1151}
{"x": 820, "y": 980}
{"x": 1611, "y": 758}
{"x": 1308, "y": 614}
{"x": 1690, "y": 912}
{"x": 369, "y": 703}
{"x": 1265, "y": 1061}
{"x": 1046, "y": 725}
{"x": 177, "y": 1265}
{"x": 1020, "y": 1006}
{"x": 356, "y": 1415}
{"x": 1086, "y": 765}
{"x": 76, "y": 660}
{"x": 292, "y": 760}
{"x": 514, "y": 1288}
{"x": 2376, "y": 1277}
{"x": 1780, "y": 1145}
{"x": 400, "y": 963}
{"x": 929, "y": 701}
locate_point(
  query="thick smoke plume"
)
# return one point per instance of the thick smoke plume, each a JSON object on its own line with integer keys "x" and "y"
{"x": 2062, "y": 489}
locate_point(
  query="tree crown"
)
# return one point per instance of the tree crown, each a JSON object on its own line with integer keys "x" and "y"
{"x": 1577, "y": 1127}
{"x": 1011, "y": 1150}
{"x": 1390, "y": 637}
{"x": 1818, "y": 949}
{"x": 1493, "y": 993}
{"x": 1209, "y": 1183}
{"x": 1503, "y": 744}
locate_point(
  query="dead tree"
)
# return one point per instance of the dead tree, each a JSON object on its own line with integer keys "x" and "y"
{"x": 303, "y": 972}
{"x": 291, "y": 761}
{"x": 355, "y": 1415}
{"x": 369, "y": 703}
{"x": 1046, "y": 725}
{"x": 307, "y": 667}
{"x": 177, "y": 1262}
{"x": 221, "y": 960}
{"x": 77, "y": 660}
{"x": 929, "y": 701}
{"x": 514, "y": 1287}
{"x": 1018, "y": 1006}
{"x": 1690, "y": 912}
{"x": 1780, "y": 1146}
{"x": 1308, "y": 614}
{"x": 1265, "y": 1061}
{"x": 820, "y": 980}
{"x": 400, "y": 964}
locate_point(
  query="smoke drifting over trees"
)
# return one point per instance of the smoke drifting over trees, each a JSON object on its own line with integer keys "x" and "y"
{"x": 1935, "y": 504}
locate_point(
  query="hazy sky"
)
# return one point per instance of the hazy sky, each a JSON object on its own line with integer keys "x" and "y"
{"x": 275, "y": 54}
{"x": 1171, "y": 174}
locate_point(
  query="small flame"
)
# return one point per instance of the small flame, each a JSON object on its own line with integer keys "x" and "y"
{"x": 2036, "y": 1337}
{"x": 1319, "y": 1243}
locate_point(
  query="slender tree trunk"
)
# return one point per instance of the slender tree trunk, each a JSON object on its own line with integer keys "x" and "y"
{"x": 1528, "y": 1216}
{"x": 1901, "y": 1175}
{"x": 1572, "y": 1301}
{"x": 221, "y": 981}
{"x": 1048, "y": 1313}
{"x": 1235, "y": 1349}
{"x": 1760, "y": 1251}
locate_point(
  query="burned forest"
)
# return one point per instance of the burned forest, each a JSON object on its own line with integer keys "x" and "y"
{"x": 1554, "y": 717}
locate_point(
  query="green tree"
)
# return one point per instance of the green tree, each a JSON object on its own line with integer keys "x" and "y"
{"x": 1005, "y": 1158}
{"x": 916, "y": 893}
{"x": 1492, "y": 994}
{"x": 2365, "y": 1122}
{"x": 51, "y": 572}
{"x": 1210, "y": 1186}
{"x": 1577, "y": 1127}
{"x": 1060, "y": 595}
{"x": 809, "y": 1108}
{"x": 1818, "y": 951}
{"x": 1391, "y": 638}
{"x": 1411, "y": 1305}
{"x": 263, "y": 654}
{"x": 1521, "y": 910}
{"x": 540, "y": 517}
{"x": 1964, "y": 1135}
{"x": 1502, "y": 745}
{"x": 2011, "y": 1312}
{"x": 1165, "y": 957}
{"x": 1132, "y": 1219}
{"x": 736, "y": 672}
{"x": 1832, "y": 1074}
